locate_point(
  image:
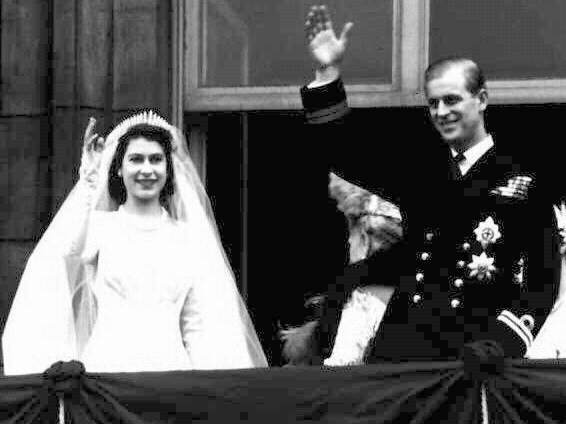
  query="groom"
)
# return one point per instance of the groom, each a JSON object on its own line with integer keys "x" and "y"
{"x": 470, "y": 267}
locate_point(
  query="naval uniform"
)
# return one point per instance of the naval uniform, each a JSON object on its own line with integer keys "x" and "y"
{"x": 470, "y": 267}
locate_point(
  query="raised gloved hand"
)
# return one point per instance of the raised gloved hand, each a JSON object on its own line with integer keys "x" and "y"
{"x": 93, "y": 145}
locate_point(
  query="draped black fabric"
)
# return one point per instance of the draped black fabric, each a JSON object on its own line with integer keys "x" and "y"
{"x": 522, "y": 391}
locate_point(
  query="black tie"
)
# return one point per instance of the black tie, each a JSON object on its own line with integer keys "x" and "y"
{"x": 456, "y": 160}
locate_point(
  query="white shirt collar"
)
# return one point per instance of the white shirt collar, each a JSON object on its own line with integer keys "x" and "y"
{"x": 473, "y": 154}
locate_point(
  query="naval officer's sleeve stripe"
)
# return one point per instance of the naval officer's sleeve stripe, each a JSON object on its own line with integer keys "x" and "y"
{"x": 515, "y": 324}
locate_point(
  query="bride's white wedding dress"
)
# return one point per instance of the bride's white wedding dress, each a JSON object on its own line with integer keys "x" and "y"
{"x": 146, "y": 297}
{"x": 152, "y": 300}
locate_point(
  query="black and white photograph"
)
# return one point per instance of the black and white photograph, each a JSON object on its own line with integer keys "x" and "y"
{"x": 282, "y": 211}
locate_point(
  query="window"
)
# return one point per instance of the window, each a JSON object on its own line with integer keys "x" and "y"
{"x": 245, "y": 43}
{"x": 518, "y": 44}
{"x": 512, "y": 40}
{"x": 251, "y": 55}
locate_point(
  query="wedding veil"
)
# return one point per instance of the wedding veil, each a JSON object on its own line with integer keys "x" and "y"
{"x": 53, "y": 311}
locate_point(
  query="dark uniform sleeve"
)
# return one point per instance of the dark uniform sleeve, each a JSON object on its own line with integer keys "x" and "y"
{"x": 330, "y": 123}
{"x": 356, "y": 150}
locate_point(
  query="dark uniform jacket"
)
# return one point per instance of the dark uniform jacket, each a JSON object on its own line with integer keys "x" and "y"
{"x": 471, "y": 265}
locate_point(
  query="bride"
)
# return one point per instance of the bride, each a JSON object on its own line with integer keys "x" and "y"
{"x": 131, "y": 275}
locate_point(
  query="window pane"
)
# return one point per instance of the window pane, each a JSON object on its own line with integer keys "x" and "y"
{"x": 262, "y": 43}
{"x": 223, "y": 175}
{"x": 510, "y": 39}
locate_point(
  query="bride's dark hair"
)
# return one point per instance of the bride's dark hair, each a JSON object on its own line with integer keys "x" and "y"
{"x": 116, "y": 186}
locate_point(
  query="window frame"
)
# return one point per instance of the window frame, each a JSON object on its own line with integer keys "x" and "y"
{"x": 284, "y": 97}
{"x": 411, "y": 19}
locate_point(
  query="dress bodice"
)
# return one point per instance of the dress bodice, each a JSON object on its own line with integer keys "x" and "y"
{"x": 142, "y": 264}
{"x": 142, "y": 282}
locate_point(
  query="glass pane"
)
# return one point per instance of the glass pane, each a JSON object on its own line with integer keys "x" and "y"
{"x": 223, "y": 163}
{"x": 510, "y": 39}
{"x": 262, "y": 43}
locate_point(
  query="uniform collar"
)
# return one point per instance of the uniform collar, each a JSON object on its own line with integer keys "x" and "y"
{"x": 473, "y": 154}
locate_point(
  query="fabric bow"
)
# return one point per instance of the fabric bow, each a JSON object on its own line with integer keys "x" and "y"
{"x": 64, "y": 378}
{"x": 482, "y": 359}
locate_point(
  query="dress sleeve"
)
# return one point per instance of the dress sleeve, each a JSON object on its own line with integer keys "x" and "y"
{"x": 216, "y": 328}
{"x": 212, "y": 333}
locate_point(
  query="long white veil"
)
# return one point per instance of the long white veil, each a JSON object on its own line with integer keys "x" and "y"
{"x": 53, "y": 311}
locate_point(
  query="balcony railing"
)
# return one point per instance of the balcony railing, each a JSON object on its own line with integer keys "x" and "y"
{"x": 465, "y": 391}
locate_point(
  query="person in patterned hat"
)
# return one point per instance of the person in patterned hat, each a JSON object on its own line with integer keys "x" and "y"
{"x": 469, "y": 265}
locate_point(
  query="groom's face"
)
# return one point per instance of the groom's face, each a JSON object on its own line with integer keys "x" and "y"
{"x": 455, "y": 112}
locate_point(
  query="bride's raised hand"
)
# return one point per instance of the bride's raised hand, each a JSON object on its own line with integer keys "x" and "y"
{"x": 325, "y": 48}
{"x": 93, "y": 145}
